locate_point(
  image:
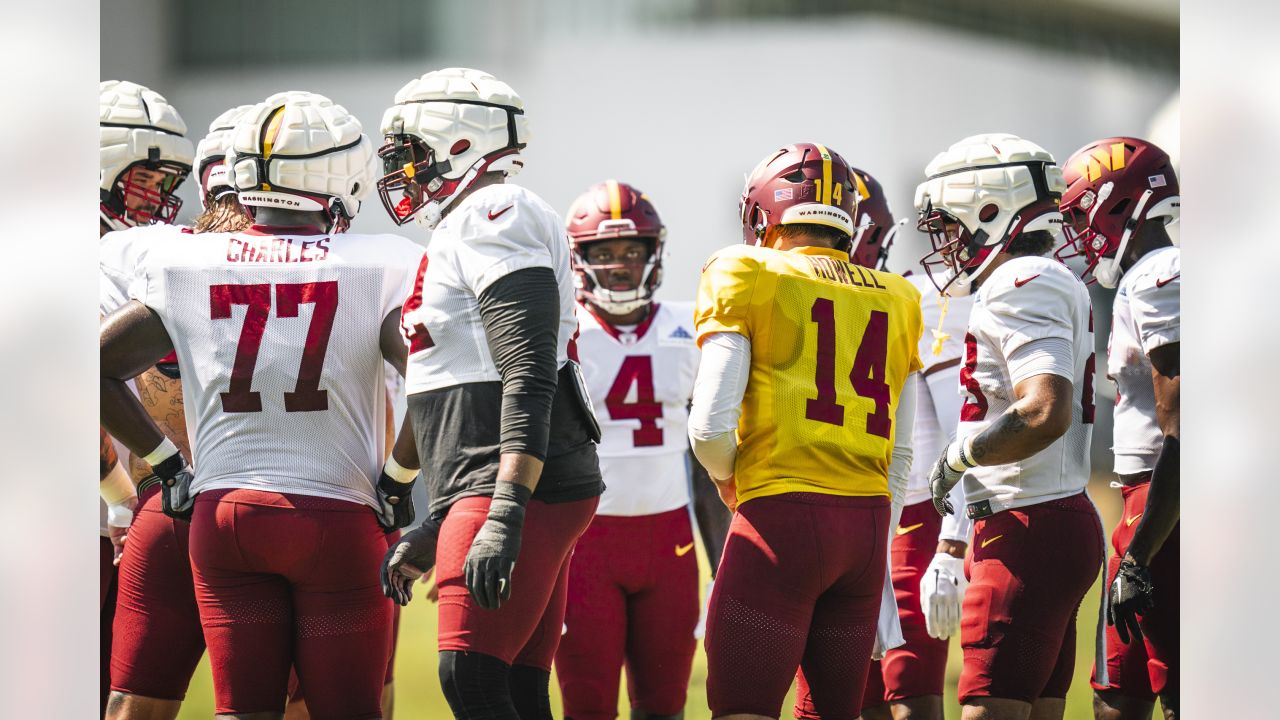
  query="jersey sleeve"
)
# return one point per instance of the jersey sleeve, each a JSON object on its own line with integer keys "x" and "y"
{"x": 1038, "y": 308}
{"x": 501, "y": 237}
{"x": 724, "y": 294}
{"x": 1157, "y": 308}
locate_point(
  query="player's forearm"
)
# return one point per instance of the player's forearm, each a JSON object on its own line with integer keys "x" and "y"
{"x": 1163, "y": 507}
{"x": 717, "y": 402}
{"x": 1041, "y": 415}
{"x": 521, "y": 315}
{"x": 126, "y": 420}
{"x": 712, "y": 516}
{"x": 519, "y": 469}
{"x": 405, "y": 449}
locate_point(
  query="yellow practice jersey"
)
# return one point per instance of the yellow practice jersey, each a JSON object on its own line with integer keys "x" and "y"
{"x": 832, "y": 344}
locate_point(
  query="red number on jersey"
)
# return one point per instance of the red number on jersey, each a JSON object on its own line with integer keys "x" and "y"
{"x": 867, "y": 375}
{"x": 239, "y": 398}
{"x": 636, "y": 370}
{"x": 416, "y": 334}
{"x": 975, "y": 405}
{"x": 307, "y": 395}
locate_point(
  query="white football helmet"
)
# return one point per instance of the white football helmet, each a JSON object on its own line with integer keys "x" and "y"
{"x": 446, "y": 129}
{"x": 211, "y": 152}
{"x": 989, "y": 189}
{"x": 143, "y": 155}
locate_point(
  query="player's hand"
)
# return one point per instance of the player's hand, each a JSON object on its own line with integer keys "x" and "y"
{"x": 395, "y": 502}
{"x": 175, "y": 475}
{"x": 411, "y": 557}
{"x": 946, "y": 472}
{"x": 1131, "y": 595}
{"x": 942, "y": 595}
{"x": 728, "y": 490}
{"x": 492, "y": 558}
{"x": 119, "y": 518}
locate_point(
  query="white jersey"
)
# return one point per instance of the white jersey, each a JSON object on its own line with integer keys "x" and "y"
{"x": 937, "y": 393}
{"x": 496, "y": 231}
{"x": 1025, "y": 299}
{"x": 640, "y": 381}
{"x": 278, "y": 340}
{"x": 118, "y": 255}
{"x": 1146, "y": 315}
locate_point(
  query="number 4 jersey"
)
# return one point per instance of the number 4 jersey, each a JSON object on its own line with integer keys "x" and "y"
{"x": 831, "y": 346}
{"x": 640, "y": 380}
{"x": 1027, "y": 299}
{"x": 278, "y": 340}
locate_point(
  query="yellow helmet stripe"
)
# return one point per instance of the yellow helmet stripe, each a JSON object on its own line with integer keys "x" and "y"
{"x": 615, "y": 199}
{"x": 863, "y": 192}
{"x": 272, "y": 132}
{"x": 826, "y": 174}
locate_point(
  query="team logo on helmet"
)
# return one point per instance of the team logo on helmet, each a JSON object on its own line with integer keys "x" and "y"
{"x": 802, "y": 183}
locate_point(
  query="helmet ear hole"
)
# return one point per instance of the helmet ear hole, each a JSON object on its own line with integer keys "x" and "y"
{"x": 460, "y": 147}
{"x": 988, "y": 212}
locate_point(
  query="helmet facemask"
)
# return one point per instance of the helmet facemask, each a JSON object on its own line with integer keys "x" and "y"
{"x": 144, "y": 194}
{"x": 957, "y": 253}
{"x": 587, "y": 276}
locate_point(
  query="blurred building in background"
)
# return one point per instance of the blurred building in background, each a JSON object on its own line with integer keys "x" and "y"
{"x": 683, "y": 97}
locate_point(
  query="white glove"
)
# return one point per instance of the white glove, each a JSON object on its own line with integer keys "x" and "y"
{"x": 941, "y": 595}
{"x": 700, "y": 630}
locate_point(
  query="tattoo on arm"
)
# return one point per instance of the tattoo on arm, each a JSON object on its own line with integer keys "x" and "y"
{"x": 1003, "y": 429}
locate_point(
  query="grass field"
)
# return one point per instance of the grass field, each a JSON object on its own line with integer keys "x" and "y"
{"x": 418, "y": 693}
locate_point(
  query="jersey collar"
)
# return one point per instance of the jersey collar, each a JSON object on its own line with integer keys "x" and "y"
{"x": 815, "y": 250}
{"x": 274, "y": 230}
{"x": 614, "y": 332}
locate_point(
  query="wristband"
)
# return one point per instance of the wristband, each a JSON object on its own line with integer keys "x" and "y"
{"x": 116, "y": 487}
{"x": 399, "y": 473}
{"x": 959, "y": 454}
{"x": 119, "y": 516}
{"x": 163, "y": 452}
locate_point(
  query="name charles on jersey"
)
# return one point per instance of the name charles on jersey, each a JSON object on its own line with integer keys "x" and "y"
{"x": 276, "y": 250}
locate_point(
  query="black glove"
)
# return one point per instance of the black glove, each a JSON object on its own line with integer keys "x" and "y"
{"x": 395, "y": 502}
{"x": 492, "y": 557}
{"x": 175, "y": 476}
{"x": 411, "y": 557}
{"x": 1131, "y": 596}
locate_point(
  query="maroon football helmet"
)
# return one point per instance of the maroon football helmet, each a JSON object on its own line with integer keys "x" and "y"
{"x": 608, "y": 211}
{"x": 874, "y": 228}
{"x": 1113, "y": 186}
{"x": 802, "y": 183}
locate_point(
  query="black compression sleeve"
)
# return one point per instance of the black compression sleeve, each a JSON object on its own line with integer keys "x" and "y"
{"x": 521, "y": 316}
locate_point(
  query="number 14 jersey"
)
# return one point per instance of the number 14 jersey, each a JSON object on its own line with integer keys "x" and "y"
{"x": 278, "y": 340}
{"x": 640, "y": 380}
{"x": 831, "y": 346}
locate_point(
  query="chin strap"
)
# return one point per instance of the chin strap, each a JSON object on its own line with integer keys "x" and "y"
{"x": 1108, "y": 271}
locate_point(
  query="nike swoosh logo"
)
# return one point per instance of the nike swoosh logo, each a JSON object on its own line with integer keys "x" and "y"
{"x": 1020, "y": 283}
{"x": 1166, "y": 281}
{"x": 495, "y": 215}
{"x": 1128, "y": 522}
{"x": 988, "y": 541}
{"x": 905, "y": 530}
{"x": 682, "y": 550}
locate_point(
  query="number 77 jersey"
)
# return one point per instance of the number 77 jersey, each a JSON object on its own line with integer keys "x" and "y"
{"x": 278, "y": 340}
{"x": 831, "y": 346}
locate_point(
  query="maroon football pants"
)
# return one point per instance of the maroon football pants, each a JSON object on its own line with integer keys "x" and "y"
{"x": 106, "y": 615}
{"x": 157, "y": 639}
{"x": 1028, "y": 569}
{"x": 798, "y": 587}
{"x": 633, "y": 596}
{"x": 1144, "y": 668}
{"x": 291, "y": 580}
{"x": 918, "y": 667}
{"x": 526, "y": 629}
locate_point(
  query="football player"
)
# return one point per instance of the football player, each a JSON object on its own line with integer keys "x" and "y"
{"x": 1121, "y": 192}
{"x": 495, "y": 399}
{"x": 288, "y": 425}
{"x": 927, "y": 551}
{"x": 144, "y": 157}
{"x": 633, "y": 585}
{"x": 802, "y": 385}
{"x": 990, "y": 207}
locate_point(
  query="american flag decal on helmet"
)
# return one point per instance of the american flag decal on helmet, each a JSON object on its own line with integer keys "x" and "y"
{"x": 782, "y": 194}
